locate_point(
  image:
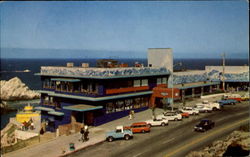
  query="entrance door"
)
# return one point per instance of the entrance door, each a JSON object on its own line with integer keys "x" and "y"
{"x": 88, "y": 118}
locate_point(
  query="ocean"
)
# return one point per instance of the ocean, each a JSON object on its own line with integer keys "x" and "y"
{"x": 14, "y": 68}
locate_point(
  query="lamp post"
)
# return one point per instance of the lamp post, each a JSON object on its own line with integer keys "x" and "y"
{"x": 223, "y": 71}
{"x": 172, "y": 81}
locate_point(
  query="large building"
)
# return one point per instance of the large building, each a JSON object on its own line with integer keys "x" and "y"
{"x": 97, "y": 95}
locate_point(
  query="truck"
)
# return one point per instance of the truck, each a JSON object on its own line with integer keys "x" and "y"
{"x": 119, "y": 133}
{"x": 213, "y": 105}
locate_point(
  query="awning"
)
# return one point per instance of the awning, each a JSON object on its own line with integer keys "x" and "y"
{"x": 44, "y": 109}
{"x": 82, "y": 107}
{"x": 65, "y": 79}
{"x": 56, "y": 113}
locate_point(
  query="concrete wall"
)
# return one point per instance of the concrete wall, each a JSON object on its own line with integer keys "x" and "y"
{"x": 161, "y": 57}
{"x": 24, "y": 135}
{"x": 228, "y": 69}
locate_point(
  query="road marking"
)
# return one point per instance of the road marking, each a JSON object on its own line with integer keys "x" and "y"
{"x": 168, "y": 141}
{"x": 204, "y": 137}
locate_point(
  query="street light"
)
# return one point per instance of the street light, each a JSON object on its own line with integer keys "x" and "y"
{"x": 172, "y": 81}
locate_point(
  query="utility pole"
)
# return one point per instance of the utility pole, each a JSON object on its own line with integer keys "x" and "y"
{"x": 223, "y": 71}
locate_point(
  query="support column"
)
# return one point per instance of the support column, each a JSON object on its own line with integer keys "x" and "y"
{"x": 202, "y": 91}
{"x": 193, "y": 93}
{"x": 183, "y": 95}
{"x": 210, "y": 89}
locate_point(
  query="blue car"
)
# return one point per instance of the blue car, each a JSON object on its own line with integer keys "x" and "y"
{"x": 227, "y": 102}
{"x": 119, "y": 133}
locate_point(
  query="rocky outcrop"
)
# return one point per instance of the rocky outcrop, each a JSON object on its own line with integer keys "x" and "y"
{"x": 15, "y": 89}
{"x": 218, "y": 148}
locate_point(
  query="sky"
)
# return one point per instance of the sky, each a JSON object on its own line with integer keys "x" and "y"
{"x": 193, "y": 29}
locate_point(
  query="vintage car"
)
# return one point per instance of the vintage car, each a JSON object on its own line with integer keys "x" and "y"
{"x": 236, "y": 97}
{"x": 245, "y": 97}
{"x": 119, "y": 133}
{"x": 227, "y": 102}
{"x": 204, "y": 125}
{"x": 203, "y": 108}
{"x": 183, "y": 114}
{"x": 213, "y": 105}
{"x": 170, "y": 116}
{"x": 157, "y": 122}
{"x": 139, "y": 127}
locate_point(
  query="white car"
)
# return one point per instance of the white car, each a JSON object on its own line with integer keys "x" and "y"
{"x": 203, "y": 108}
{"x": 213, "y": 105}
{"x": 170, "y": 116}
{"x": 190, "y": 110}
{"x": 157, "y": 122}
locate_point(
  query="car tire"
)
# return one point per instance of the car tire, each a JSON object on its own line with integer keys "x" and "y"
{"x": 126, "y": 137}
{"x": 176, "y": 119}
{"x": 110, "y": 139}
{"x": 163, "y": 124}
{"x": 143, "y": 131}
{"x": 214, "y": 109}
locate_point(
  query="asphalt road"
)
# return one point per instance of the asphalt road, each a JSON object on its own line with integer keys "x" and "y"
{"x": 176, "y": 139}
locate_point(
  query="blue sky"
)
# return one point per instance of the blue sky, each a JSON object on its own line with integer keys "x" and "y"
{"x": 192, "y": 29}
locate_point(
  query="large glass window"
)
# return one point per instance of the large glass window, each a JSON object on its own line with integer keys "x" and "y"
{"x": 164, "y": 80}
{"x": 144, "y": 82}
{"x": 119, "y": 106}
{"x": 128, "y": 104}
{"x": 144, "y": 101}
{"x": 137, "y": 83}
{"x": 110, "y": 107}
{"x": 137, "y": 102}
{"x": 159, "y": 81}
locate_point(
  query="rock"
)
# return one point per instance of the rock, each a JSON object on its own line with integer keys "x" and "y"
{"x": 15, "y": 89}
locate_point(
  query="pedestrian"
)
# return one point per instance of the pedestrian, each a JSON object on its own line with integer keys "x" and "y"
{"x": 133, "y": 114}
{"x": 82, "y": 135}
{"x": 130, "y": 115}
{"x": 86, "y": 133}
{"x": 32, "y": 126}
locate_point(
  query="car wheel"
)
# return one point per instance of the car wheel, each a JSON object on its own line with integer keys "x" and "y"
{"x": 110, "y": 139}
{"x": 176, "y": 119}
{"x": 126, "y": 137}
{"x": 163, "y": 124}
{"x": 143, "y": 131}
{"x": 214, "y": 108}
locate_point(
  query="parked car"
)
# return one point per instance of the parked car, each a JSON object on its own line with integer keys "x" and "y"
{"x": 170, "y": 116}
{"x": 183, "y": 114}
{"x": 203, "y": 108}
{"x": 157, "y": 122}
{"x": 139, "y": 127}
{"x": 213, "y": 105}
{"x": 245, "y": 97}
{"x": 227, "y": 102}
{"x": 236, "y": 97}
{"x": 190, "y": 110}
{"x": 204, "y": 125}
{"x": 119, "y": 133}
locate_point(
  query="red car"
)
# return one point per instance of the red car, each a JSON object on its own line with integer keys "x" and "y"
{"x": 139, "y": 127}
{"x": 183, "y": 114}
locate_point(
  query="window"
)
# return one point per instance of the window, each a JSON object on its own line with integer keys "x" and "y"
{"x": 119, "y": 106}
{"x": 110, "y": 107}
{"x": 164, "y": 80}
{"x": 128, "y": 104}
{"x": 144, "y": 82}
{"x": 158, "y": 80}
{"x": 144, "y": 102}
{"x": 137, "y": 83}
{"x": 137, "y": 102}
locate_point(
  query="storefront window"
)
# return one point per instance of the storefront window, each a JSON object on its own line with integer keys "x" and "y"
{"x": 137, "y": 102}
{"x": 144, "y": 101}
{"x": 119, "y": 106}
{"x": 164, "y": 80}
{"x": 137, "y": 83}
{"x": 144, "y": 82}
{"x": 158, "y": 80}
{"x": 110, "y": 107}
{"x": 128, "y": 104}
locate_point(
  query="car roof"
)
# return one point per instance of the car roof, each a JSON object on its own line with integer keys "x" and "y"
{"x": 139, "y": 123}
{"x": 204, "y": 120}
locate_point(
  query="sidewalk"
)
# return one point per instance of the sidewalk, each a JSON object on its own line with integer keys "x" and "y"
{"x": 55, "y": 147}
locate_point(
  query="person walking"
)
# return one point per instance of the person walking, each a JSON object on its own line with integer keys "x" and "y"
{"x": 82, "y": 135}
{"x": 130, "y": 115}
{"x": 133, "y": 114}
{"x": 86, "y": 133}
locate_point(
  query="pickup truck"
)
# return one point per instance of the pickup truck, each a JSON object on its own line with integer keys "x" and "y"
{"x": 227, "y": 102}
{"x": 119, "y": 133}
{"x": 213, "y": 105}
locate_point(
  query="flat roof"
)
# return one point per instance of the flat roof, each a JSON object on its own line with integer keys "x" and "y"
{"x": 82, "y": 107}
{"x": 55, "y": 113}
{"x": 195, "y": 84}
{"x": 51, "y": 93}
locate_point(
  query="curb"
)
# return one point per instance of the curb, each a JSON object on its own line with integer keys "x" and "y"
{"x": 79, "y": 149}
